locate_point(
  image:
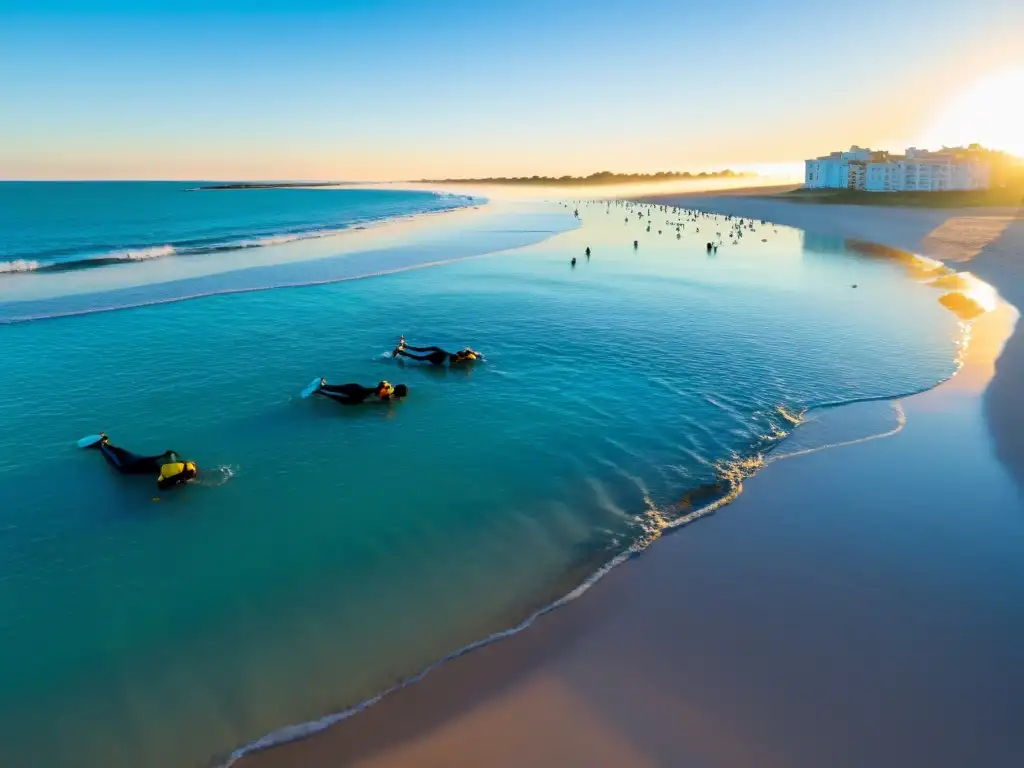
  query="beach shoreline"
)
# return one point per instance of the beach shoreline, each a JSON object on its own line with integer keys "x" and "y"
{"x": 508, "y": 702}
{"x": 990, "y": 239}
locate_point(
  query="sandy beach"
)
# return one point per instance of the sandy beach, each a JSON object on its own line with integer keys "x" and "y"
{"x": 860, "y": 605}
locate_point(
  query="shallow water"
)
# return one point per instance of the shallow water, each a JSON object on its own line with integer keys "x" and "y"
{"x": 327, "y": 552}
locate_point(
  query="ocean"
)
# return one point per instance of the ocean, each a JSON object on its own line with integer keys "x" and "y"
{"x": 327, "y": 553}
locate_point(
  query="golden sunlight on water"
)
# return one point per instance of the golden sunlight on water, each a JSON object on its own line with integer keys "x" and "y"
{"x": 984, "y": 338}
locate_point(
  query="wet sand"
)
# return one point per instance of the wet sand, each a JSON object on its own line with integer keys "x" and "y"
{"x": 862, "y": 605}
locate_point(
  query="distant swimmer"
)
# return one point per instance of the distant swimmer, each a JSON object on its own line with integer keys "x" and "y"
{"x": 356, "y": 394}
{"x": 573, "y": 262}
{"x": 167, "y": 467}
{"x": 636, "y": 244}
{"x": 576, "y": 213}
{"x": 709, "y": 247}
{"x": 435, "y": 355}
{"x": 588, "y": 251}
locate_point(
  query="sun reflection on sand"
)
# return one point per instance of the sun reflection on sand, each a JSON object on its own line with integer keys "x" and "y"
{"x": 963, "y": 237}
{"x": 983, "y": 341}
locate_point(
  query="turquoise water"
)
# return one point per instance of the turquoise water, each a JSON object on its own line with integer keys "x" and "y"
{"x": 47, "y": 226}
{"x": 326, "y": 551}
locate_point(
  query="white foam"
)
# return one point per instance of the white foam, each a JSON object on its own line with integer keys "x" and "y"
{"x": 143, "y": 254}
{"x": 150, "y": 253}
{"x": 18, "y": 265}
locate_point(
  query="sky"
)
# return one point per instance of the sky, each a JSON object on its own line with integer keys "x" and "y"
{"x": 396, "y": 89}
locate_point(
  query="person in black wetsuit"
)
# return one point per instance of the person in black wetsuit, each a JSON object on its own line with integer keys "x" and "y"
{"x": 168, "y": 468}
{"x": 356, "y": 394}
{"x": 435, "y": 355}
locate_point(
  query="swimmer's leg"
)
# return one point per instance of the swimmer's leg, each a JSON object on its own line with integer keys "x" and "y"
{"x": 116, "y": 457}
{"x": 128, "y": 463}
{"x": 345, "y": 390}
{"x": 421, "y": 358}
{"x": 342, "y": 398}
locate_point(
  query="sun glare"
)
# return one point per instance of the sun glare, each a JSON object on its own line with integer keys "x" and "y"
{"x": 990, "y": 113}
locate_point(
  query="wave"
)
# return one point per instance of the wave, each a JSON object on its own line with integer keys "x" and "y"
{"x": 231, "y": 291}
{"x": 16, "y": 314}
{"x": 18, "y": 265}
{"x": 128, "y": 256}
{"x": 70, "y": 261}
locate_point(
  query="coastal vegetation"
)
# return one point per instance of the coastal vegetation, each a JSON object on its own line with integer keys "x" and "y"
{"x": 1011, "y": 195}
{"x": 271, "y": 185}
{"x": 597, "y": 179}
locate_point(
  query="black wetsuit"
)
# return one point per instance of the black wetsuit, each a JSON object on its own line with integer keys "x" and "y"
{"x": 128, "y": 463}
{"x": 435, "y": 355}
{"x": 348, "y": 394}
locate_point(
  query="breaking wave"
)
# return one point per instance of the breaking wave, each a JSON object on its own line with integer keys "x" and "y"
{"x": 109, "y": 255}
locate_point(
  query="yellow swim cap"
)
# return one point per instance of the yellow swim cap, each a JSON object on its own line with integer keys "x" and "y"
{"x": 167, "y": 471}
{"x": 385, "y": 389}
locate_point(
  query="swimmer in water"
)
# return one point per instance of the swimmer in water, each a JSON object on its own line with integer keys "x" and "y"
{"x": 357, "y": 394}
{"x": 435, "y": 355}
{"x": 167, "y": 467}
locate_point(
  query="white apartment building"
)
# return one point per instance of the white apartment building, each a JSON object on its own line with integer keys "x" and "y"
{"x": 918, "y": 170}
{"x": 838, "y": 170}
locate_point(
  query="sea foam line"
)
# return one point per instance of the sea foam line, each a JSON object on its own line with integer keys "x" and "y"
{"x": 113, "y": 256}
{"x": 250, "y": 289}
{"x": 901, "y": 422}
{"x": 18, "y": 265}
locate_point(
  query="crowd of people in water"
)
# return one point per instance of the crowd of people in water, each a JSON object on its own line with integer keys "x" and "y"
{"x": 738, "y": 226}
{"x": 170, "y": 470}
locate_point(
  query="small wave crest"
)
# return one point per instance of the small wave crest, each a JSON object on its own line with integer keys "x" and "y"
{"x": 107, "y": 255}
{"x": 18, "y": 265}
{"x": 88, "y": 262}
{"x": 143, "y": 254}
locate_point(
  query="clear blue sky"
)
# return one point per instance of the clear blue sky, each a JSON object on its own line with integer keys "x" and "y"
{"x": 401, "y": 89}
